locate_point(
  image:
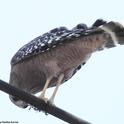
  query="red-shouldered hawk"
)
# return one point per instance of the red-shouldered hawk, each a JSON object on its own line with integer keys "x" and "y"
{"x": 54, "y": 57}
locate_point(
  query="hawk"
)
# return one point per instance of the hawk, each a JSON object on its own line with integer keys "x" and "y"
{"x": 54, "y": 57}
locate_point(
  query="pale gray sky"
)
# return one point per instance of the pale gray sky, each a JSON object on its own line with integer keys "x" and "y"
{"x": 96, "y": 92}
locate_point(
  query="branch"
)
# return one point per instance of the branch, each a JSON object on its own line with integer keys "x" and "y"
{"x": 40, "y": 104}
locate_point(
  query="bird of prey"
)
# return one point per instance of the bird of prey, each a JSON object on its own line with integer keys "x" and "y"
{"x": 54, "y": 57}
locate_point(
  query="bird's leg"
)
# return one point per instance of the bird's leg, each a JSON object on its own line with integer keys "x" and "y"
{"x": 51, "y": 100}
{"x": 42, "y": 95}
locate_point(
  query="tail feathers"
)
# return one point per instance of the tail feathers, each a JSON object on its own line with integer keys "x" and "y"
{"x": 116, "y": 34}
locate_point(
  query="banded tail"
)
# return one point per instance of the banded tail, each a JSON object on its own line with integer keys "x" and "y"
{"x": 112, "y": 33}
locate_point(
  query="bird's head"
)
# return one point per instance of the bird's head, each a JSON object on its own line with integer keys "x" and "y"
{"x": 18, "y": 102}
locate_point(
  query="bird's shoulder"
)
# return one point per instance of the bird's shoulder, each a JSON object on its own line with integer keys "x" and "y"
{"x": 46, "y": 41}
{"x": 51, "y": 39}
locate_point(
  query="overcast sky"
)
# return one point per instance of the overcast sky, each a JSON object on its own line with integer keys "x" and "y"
{"x": 96, "y": 92}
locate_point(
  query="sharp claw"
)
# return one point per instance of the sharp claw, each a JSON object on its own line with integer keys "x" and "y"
{"x": 43, "y": 98}
{"x": 51, "y": 101}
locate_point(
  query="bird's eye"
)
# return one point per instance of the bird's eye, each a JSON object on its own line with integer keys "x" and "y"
{"x": 15, "y": 98}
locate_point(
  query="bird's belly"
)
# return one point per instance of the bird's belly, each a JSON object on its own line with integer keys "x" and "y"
{"x": 68, "y": 56}
{"x": 64, "y": 59}
{"x": 31, "y": 74}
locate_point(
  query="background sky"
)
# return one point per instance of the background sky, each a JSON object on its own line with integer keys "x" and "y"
{"x": 96, "y": 92}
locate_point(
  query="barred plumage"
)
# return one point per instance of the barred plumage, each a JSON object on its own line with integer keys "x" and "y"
{"x": 47, "y": 40}
{"x": 54, "y": 57}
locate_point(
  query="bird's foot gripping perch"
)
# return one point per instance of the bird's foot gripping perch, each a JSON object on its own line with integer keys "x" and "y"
{"x": 51, "y": 100}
